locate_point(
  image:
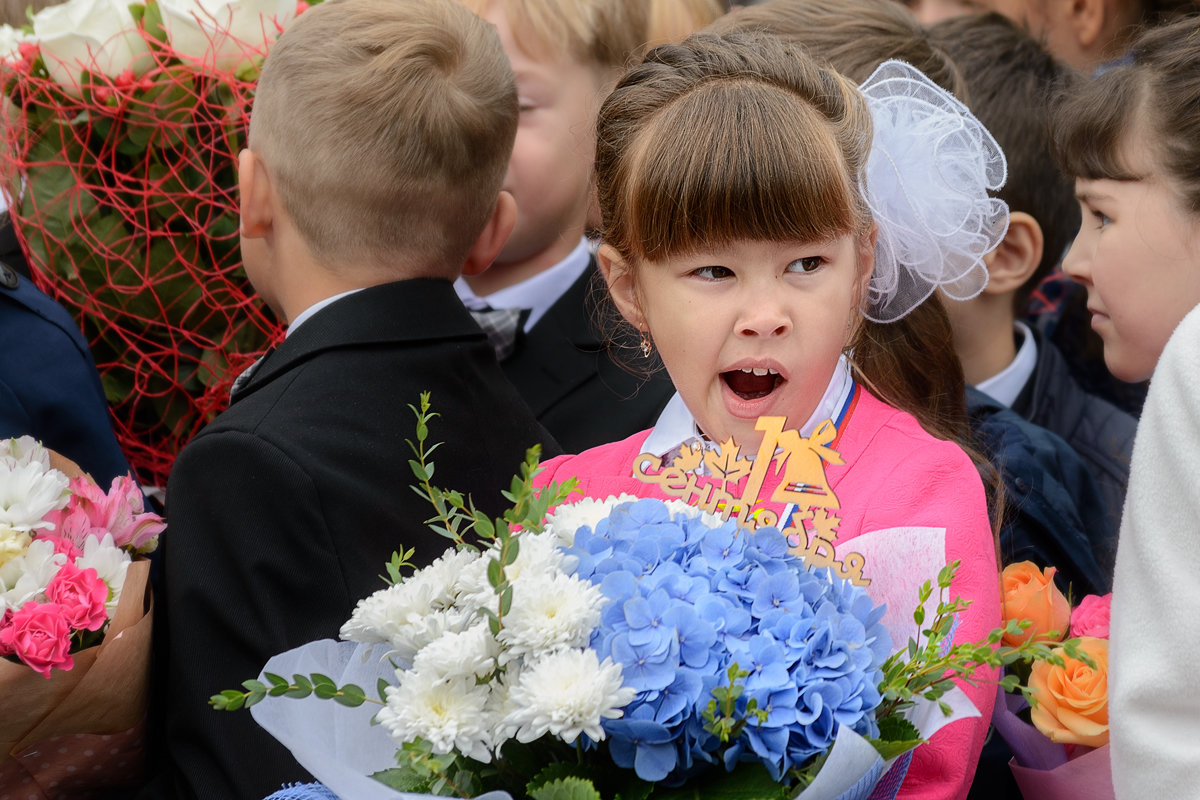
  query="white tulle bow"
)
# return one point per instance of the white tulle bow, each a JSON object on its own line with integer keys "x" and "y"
{"x": 931, "y": 167}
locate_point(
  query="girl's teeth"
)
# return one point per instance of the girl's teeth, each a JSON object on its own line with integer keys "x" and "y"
{"x": 759, "y": 372}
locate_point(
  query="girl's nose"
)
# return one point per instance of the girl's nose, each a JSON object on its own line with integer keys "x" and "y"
{"x": 1076, "y": 264}
{"x": 764, "y": 317}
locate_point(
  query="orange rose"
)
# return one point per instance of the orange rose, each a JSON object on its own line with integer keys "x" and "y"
{"x": 1030, "y": 593}
{"x": 1072, "y": 700}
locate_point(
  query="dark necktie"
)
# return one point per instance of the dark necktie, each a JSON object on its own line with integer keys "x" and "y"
{"x": 503, "y": 326}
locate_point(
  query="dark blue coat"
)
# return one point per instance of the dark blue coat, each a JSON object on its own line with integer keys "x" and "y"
{"x": 1055, "y": 515}
{"x": 1100, "y": 432}
{"x": 49, "y": 388}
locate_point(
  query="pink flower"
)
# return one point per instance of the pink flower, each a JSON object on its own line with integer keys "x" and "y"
{"x": 1090, "y": 617}
{"x": 5, "y": 623}
{"x": 81, "y": 595}
{"x": 62, "y": 545}
{"x": 40, "y": 637}
{"x": 120, "y": 512}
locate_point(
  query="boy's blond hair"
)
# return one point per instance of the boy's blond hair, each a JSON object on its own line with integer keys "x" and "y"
{"x": 606, "y": 35}
{"x": 386, "y": 128}
{"x": 672, "y": 21}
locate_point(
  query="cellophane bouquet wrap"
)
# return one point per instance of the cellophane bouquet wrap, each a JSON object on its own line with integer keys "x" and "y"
{"x": 122, "y": 129}
{"x": 1057, "y": 727}
{"x": 75, "y": 619}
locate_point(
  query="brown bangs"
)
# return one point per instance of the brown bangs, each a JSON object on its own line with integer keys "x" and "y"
{"x": 1091, "y": 127}
{"x": 733, "y": 160}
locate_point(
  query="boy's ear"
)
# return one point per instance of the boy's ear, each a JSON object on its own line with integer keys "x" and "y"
{"x": 492, "y": 238}
{"x": 619, "y": 278}
{"x": 1016, "y": 257}
{"x": 1087, "y": 20}
{"x": 254, "y": 196}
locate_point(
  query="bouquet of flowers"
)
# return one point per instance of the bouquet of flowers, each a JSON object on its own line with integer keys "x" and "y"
{"x": 616, "y": 648}
{"x": 1058, "y": 727}
{"x": 122, "y": 128}
{"x": 74, "y": 626}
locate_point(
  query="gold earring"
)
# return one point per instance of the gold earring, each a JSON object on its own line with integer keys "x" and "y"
{"x": 646, "y": 346}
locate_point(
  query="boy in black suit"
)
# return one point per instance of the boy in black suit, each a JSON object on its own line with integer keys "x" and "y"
{"x": 378, "y": 142}
{"x": 586, "y": 389}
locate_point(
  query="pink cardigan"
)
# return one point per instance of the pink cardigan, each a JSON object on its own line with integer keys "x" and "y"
{"x": 895, "y": 475}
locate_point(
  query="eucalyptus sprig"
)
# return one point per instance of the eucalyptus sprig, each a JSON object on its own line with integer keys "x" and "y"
{"x": 928, "y": 667}
{"x": 299, "y": 686}
{"x": 456, "y": 515}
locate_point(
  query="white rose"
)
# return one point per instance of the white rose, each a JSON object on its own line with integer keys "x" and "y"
{"x": 96, "y": 35}
{"x": 221, "y": 33}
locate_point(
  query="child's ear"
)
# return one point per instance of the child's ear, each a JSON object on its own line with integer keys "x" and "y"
{"x": 1087, "y": 21}
{"x": 254, "y": 196}
{"x": 866, "y": 262}
{"x": 493, "y": 237}
{"x": 619, "y": 278}
{"x": 1016, "y": 257}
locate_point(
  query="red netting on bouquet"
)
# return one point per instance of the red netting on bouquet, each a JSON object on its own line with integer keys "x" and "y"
{"x": 124, "y": 198}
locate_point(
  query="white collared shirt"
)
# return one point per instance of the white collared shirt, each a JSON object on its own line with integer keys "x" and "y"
{"x": 314, "y": 308}
{"x": 537, "y": 293}
{"x": 1006, "y": 385}
{"x": 676, "y": 424}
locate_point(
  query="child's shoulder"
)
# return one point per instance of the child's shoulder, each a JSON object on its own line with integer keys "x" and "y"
{"x": 879, "y": 427}
{"x": 607, "y": 460}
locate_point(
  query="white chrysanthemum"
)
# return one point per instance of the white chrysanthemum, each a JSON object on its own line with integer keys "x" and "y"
{"x": 29, "y": 490}
{"x": 23, "y": 451}
{"x": 566, "y": 693}
{"x": 402, "y": 617}
{"x": 550, "y": 612}
{"x": 451, "y": 715}
{"x": 473, "y": 584}
{"x": 13, "y": 543}
{"x": 537, "y": 554}
{"x": 26, "y": 576}
{"x": 110, "y": 563}
{"x": 446, "y": 573}
{"x": 567, "y": 518}
{"x": 415, "y": 611}
{"x": 459, "y": 654}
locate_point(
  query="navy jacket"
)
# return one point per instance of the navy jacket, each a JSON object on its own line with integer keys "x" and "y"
{"x": 49, "y": 388}
{"x": 576, "y": 388}
{"x": 1054, "y": 517}
{"x": 1054, "y": 514}
{"x": 1099, "y": 432}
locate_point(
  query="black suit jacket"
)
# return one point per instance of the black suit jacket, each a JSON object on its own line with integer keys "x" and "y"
{"x": 566, "y": 374}
{"x": 283, "y": 511}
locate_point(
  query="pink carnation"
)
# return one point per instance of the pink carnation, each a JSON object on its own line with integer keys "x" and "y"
{"x": 5, "y": 622}
{"x": 120, "y": 512}
{"x": 1090, "y": 617}
{"x": 40, "y": 637}
{"x": 81, "y": 595}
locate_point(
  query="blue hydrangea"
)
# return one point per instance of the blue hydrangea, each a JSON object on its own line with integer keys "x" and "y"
{"x": 686, "y": 601}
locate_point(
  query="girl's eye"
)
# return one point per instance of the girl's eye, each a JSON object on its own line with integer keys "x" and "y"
{"x": 809, "y": 264}
{"x": 712, "y": 273}
{"x": 1102, "y": 219}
